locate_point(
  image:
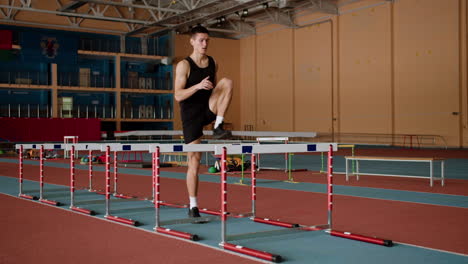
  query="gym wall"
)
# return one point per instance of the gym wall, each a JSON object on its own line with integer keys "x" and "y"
{"x": 377, "y": 68}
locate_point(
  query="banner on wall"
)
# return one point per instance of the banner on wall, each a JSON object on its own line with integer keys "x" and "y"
{"x": 49, "y": 129}
{"x": 6, "y": 39}
{"x": 49, "y": 47}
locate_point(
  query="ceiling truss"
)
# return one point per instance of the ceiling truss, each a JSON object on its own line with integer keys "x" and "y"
{"x": 230, "y": 18}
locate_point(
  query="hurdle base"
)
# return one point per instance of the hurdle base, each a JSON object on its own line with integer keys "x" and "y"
{"x": 99, "y": 192}
{"x": 82, "y": 210}
{"x": 176, "y": 233}
{"x": 50, "y": 202}
{"x": 173, "y": 205}
{"x": 210, "y": 212}
{"x": 373, "y": 240}
{"x": 122, "y": 220}
{"x": 252, "y": 252}
{"x": 274, "y": 222}
{"x": 291, "y": 181}
{"x": 123, "y": 196}
{"x": 30, "y": 197}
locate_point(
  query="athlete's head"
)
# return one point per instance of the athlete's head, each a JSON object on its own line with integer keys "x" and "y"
{"x": 200, "y": 38}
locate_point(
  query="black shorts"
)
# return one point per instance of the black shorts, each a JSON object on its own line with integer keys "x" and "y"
{"x": 193, "y": 126}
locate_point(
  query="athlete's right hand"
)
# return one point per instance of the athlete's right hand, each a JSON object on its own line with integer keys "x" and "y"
{"x": 205, "y": 84}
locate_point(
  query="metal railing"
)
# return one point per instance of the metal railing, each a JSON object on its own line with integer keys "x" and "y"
{"x": 403, "y": 140}
{"x": 87, "y": 111}
{"x": 76, "y": 79}
{"x": 154, "y": 46}
{"x": 147, "y": 83}
{"x": 25, "y": 78}
{"x": 25, "y": 110}
{"x": 105, "y": 45}
{"x": 147, "y": 112}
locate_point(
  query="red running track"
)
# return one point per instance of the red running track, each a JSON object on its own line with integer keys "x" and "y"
{"x": 432, "y": 226}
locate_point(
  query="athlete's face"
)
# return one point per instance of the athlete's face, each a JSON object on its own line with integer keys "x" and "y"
{"x": 199, "y": 42}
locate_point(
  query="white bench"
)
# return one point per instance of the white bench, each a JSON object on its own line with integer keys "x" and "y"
{"x": 431, "y": 162}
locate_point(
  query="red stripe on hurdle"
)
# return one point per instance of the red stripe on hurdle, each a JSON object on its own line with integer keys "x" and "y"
{"x": 173, "y": 205}
{"x": 50, "y": 202}
{"x": 176, "y": 233}
{"x": 210, "y": 212}
{"x": 123, "y": 220}
{"x": 274, "y": 222}
{"x": 373, "y": 240}
{"x": 253, "y": 252}
{"x": 82, "y": 210}
{"x": 123, "y": 196}
{"x": 28, "y": 197}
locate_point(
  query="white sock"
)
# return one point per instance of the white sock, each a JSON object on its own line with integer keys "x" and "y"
{"x": 219, "y": 120}
{"x": 193, "y": 202}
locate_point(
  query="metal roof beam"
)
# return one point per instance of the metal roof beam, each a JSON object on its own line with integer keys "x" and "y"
{"x": 168, "y": 19}
{"x": 114, "y": 19}
{"x": 73, "y": 5}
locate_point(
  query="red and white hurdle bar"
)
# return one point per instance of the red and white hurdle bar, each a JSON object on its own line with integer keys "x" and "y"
{"x": 41, "y": 148}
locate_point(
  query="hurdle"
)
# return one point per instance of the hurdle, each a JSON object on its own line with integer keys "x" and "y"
{"x": 66, "y": 141}
{"x": 173, "y": 148}
{"x": 351, "y": 146}
{"x": 41, "y": 171}
{"x": 115, "y": 147}
{"x": 72, "y": 186}
{"x": 90, "y": 147}
{"x": 287, "y": 157}
{"x": 253, "y": 150}
{"x": 127, "y": 148}
{"x": 74, "y": 149}
{"x": 348, "y": 235}
{"x": 280, "y": 148}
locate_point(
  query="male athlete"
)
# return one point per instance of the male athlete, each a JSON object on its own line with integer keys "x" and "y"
{"x": 202, "y": 100}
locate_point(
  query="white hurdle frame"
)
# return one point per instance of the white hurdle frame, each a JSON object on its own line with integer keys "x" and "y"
{"x": 285, "y": 140}
{"x": 74, "y": 140}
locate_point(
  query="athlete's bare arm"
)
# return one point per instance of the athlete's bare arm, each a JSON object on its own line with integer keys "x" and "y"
{"x": 182, "y": 72}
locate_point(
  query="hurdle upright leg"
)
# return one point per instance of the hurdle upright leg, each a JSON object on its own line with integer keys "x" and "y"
{"x": 254, "y": 185}
{"x": 115, "y": 173}
{"x": 155, "y": 170}
{"x": 90, "y": 170}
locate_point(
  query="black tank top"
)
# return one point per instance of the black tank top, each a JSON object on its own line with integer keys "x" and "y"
{"x": 197, "y": 74}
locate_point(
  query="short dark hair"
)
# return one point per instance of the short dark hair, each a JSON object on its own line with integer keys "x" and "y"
{"x": 199, "y": 29}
